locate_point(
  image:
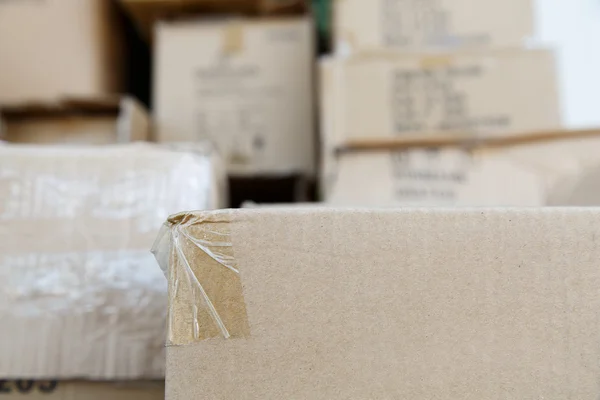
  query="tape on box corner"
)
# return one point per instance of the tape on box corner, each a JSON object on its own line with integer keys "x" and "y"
{"x": 205, "y": 288}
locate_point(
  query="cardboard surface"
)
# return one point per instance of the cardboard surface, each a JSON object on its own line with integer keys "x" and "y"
{"x": 80, "y": 296}
{"x": 535, "y": 173}
{"x": 424, "y": 25}
{"x": 74, "y": 390}
{"x": 74, "y": 121}
{"x": 55, "y": 48}
{"x": 249, "y": 90}
{"x": 411, "y": 303}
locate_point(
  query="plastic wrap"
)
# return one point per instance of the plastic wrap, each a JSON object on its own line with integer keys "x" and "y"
{"x": 80, "y": 296}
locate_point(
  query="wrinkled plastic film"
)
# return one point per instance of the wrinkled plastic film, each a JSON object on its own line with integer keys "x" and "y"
{"x": 196, "y": 253}
{"x": 80, "y": 292}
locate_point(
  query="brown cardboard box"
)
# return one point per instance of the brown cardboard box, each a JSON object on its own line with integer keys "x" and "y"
{"x": 249, "y": 90}
{"x": 478, "y": 94}
{"x": 432, "y": 177}
{"x": 55, "y": 48}
{"x": 147, "y": 12}
{"x": 79, "y": 390}
{"x": 79, "y": 294}
{"x": 423, "y": 25}
{"x": 363, "y": 304}
{"x": 538, "y": 170}
{"x": 389, "y": 95}
{"x": 76, "y": 121}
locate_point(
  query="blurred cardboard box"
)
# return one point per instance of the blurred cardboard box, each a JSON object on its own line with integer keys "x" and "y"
{"x": 249, "y": 90}
{"x": 359, "y": 304}
{"x": 75, "y": 121}
{"x": 389, "y": 95}
{"x": 79, "y": 390}
{"x": 539, "y": 170}
{"x": 432, "y": 177}
{"x": 55, "y": 48}
{"x": 480, "y": 94}
{"x": 424, "y": 25}
{"x": 80, "y": 296}
{"x": 147, "y": 12}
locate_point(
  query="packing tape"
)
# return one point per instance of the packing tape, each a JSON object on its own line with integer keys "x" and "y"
{"x": 205, "y": 289}
{"x": 233, "y": 38}
{"x": 436, "y": 62}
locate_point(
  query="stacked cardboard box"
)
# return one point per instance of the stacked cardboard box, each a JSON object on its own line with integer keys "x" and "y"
{"x": 443, "y": 68}
{"x": 77, "y": 121}
{"x": 56, "y": 48}
{"x": 63, "y": 74}
{"x": 247, "y": 87}
{"x": 541, "y": 169}
{"x": 431, "y": 24}
{"x": 80, "y": 296}
{"x": 243, "y": 82}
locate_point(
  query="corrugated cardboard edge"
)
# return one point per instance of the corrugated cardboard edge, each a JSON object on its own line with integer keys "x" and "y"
{"x": 196, "y": 253}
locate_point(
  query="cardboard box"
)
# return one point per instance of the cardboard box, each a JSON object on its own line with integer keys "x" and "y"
{"x": 146, "y": 13}
{"x": 432, "y": 177}
{"x": 57, "y": 48}
{"x": 483, "y": 94}
{"x": 424, "y": 25}
{"x": 365, "y": 304}
{"x": 80, "y": 390}
{"x": 465, "y": 94}
{"x": 76, "y": 121}
{"x": 249, "y": 90}
{"x": 543, "y": 170}
{"x": 79, "y": 294}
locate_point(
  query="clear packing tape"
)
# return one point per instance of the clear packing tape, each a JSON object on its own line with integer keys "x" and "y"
{"x": 195, "y": 253}
{"x": 80, "y": 295}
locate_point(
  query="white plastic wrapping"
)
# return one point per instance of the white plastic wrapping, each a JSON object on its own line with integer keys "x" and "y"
{"x": 80, "y": 295}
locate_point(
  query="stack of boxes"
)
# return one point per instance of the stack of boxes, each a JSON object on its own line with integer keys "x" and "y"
{"x": 62, "y": 57}
{"x": 82, "y": 303}
{"x": 413, "y": 82}
{"x": 244, "y": 83}
{"x": 431, "y": 102}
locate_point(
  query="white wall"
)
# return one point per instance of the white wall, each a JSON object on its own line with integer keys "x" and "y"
{"x": 573, "y": 28}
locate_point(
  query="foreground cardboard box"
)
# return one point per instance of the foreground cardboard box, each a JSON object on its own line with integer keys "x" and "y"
{"x": 536, "y": 170}
{"x": 79, "y": 390}
{"x": 79, "y": 296}
{"x": 75, "y": 121}
{"x": 443, "y": 24}
{"x": 57, "y": 48}
{"x": 250, "y": 91}
{"x": 411, "y": 304}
